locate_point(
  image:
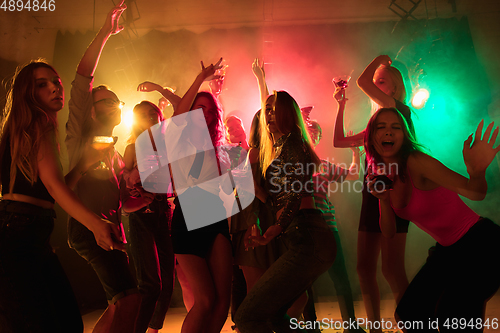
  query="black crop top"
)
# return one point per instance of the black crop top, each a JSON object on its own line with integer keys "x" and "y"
{"x": 21, "y": 185}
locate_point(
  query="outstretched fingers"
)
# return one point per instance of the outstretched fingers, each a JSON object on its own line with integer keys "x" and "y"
{"x": 218, "y": 64}
{"x": 479, "y": 131}
{"x": 494, "y": 139}
{"x": 494, "y": 136}
{"x": 487, "y": 133}
{"x": 467, "y": 143}
{"x": 208, "y": 73}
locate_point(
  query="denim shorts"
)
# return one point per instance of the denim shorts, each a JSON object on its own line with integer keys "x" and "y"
{"x": 111, "y": 267}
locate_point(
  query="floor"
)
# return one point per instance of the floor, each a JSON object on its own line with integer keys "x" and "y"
{"x": 327, "y": 311}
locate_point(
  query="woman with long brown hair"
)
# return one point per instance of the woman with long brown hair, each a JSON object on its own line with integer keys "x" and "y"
{"x": 35, "y": 294}
{"x": 461, "y": 272}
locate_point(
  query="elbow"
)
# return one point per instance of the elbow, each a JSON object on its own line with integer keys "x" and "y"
{"x": 475, "y": 193}
{"x": 340, "y": 142}
{"x": 335, "y": 142}
{"x": 129, "y": 206}
{"x": 126, "y": 207}
{"x": 362, "y": 81}
{"x": 477, "y": 196}
{"x": 354, "y": 175}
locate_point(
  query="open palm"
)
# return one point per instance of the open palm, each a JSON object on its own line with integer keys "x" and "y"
{"x": 478, "y": 156}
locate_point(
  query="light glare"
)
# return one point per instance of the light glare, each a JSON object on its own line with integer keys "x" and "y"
{"x": 420, "y": 98}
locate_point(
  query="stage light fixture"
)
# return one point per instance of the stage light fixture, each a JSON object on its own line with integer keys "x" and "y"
{"x": 420, "y": 98}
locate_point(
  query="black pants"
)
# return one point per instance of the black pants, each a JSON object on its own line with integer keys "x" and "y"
{"x": 35, "y": 294}
{"x": 455, "y": 282}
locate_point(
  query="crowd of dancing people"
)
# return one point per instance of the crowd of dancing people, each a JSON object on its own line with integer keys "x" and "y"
{"x": 257, "y": 263}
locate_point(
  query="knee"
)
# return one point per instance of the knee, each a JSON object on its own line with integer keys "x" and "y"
{"x": 205, "y": 302}
{"x": 366, "y": 271}
{"x": 128, "y": 302}
{"x": 393, "y": 272}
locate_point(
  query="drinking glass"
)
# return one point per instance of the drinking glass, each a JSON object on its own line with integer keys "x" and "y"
{"x": 101, "y": 143}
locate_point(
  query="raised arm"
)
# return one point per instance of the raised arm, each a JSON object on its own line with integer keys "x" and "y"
{"x": 50, "y": 173}
{"x": 353, "y": 172}
{"x": 89, "y": 61}
{"x": 477, "y": 158}
{"x": 147, "y": 86}
{"x": 260, "y": 75}
{"x": 206, "y": 74}
{"x": 340, "y": 140}
{"x": 365, "y": 83}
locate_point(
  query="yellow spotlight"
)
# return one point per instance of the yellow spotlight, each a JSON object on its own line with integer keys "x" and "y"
{"x": 128, "y": 118}
{"x": 420, "y": 98}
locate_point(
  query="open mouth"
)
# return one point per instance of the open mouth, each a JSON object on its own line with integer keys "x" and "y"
{"x": 387, "y": 144}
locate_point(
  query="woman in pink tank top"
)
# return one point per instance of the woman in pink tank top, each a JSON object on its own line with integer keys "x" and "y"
{"x": 451, "y": 290}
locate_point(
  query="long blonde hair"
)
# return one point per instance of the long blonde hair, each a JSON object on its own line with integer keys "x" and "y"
{"x": 288, "y": 119}
{"x": 25, "y": 123}
{"x": 399, "y": 83}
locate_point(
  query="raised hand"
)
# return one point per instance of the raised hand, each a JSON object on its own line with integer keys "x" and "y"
{"x": 208, "y": 73}
{"x": 111, "y": 25}
{"x": 147, "y": 86}
{"x": 258, "y": 69}
{"x": 478, "y": 157}
{"x": 384, "y": 60}
{"x": 339, "y": 95}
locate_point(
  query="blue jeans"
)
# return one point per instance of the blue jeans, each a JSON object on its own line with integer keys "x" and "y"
{"x": 154, "y": 261}
{"x": 35, "y": 294}
{"x": 310, "y": 251}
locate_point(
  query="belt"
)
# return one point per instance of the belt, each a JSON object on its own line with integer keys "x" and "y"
{"x": 24, "y": 208}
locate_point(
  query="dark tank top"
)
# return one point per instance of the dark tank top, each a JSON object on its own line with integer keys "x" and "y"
{"x": 21, "y": 185}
